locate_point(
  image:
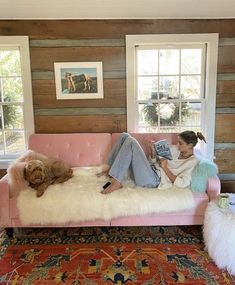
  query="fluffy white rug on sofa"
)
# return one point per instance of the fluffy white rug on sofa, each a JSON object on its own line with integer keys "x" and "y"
{"x": 79, "y": 199}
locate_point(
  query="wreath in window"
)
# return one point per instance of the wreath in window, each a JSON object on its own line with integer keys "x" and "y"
{"x": 150, "y": 112}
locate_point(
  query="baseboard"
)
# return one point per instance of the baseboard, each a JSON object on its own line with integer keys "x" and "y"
{"x": 228, "y": 186}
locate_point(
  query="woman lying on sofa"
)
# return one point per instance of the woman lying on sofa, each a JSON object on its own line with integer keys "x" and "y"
{"x": 154, "y": 173}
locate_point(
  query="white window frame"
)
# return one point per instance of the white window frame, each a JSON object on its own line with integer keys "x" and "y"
{"x": 211, "y": 41}
{"x": 21, "y": 42}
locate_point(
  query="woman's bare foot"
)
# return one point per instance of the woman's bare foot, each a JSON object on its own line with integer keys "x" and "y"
{"x": 115, "y": 185}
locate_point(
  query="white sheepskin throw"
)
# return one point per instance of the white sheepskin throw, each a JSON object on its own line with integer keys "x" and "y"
{"x": 79, "y": 199}
{"x": 219, "y": 236}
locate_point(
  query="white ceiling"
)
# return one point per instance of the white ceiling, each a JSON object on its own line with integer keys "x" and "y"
{"x": 116, "y": 9}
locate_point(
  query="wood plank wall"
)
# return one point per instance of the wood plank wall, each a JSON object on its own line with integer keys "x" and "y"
{"x": 104, "y": 40}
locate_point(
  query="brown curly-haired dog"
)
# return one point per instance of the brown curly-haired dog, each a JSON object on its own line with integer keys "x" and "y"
{"x": 41, "y": 174}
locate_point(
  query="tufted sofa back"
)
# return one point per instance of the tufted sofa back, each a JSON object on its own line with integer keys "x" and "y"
{"x": 83, "y": 149}
{"x": 145, "y": 138}
{"x": 87, "y": 149}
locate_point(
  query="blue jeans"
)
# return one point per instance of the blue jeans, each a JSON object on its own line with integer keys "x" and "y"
{"x": 127, "y": 153}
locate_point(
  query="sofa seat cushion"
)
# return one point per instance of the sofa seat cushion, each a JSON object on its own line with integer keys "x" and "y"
{"x": 192, "y": 216}
{"x": 79, "y": 200}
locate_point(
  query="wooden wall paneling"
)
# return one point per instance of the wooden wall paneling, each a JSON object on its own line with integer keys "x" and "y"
{"x": 225, "y": 160}
{"x": 77, "y": 43}
{"x": 226, "y": 76}
{"x": 225, "y": 93}
{"x": 83, "y": 124}
{"x": 113, "y": 58}
{"x": 93, "y": 29}
{"x": 226, "y": 86}
{"x": 226, "y": 59}
{"x": 44, "y": 95}
{"x": 92, "y": 115}
{"x": 224, "y": 130}
{"x": 80, "y": 111}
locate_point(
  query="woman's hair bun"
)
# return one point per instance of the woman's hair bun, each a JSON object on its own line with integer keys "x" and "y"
{"x": 201, "y": 137}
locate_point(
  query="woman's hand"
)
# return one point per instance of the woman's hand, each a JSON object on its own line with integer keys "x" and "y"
{"x": 152, "y": 151}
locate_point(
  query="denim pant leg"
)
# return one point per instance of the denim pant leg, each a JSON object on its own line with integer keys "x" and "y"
{"x": 116, "y": 148}
{"x": 130, "y": 154}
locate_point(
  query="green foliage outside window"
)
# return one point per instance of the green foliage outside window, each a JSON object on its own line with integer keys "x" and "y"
{"x": 10, "y": 88}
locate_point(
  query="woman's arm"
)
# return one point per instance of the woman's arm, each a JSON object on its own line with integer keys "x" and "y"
{"x": 164, "y": 166}
{"x": 152, "y": 151}
{"x": 183, "y": 179}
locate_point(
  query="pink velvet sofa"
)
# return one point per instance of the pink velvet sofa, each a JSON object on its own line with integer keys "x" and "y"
{"x": 91, "y": 149}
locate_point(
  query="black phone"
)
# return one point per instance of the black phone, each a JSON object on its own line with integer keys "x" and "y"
{"x": 106, "y": 185}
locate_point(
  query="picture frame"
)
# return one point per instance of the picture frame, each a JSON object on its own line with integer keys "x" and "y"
{"x": 79, "y": 80}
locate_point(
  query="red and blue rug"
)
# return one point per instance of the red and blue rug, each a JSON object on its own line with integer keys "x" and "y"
{"x": 138, "y": 255}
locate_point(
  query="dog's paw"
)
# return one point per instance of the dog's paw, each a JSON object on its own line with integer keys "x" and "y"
{"x": 70, "y": 173}
{"x": 40, "y": 192}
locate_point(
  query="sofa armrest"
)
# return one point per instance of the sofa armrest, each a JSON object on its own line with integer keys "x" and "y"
{"x": 213, "y": 187}
{"x": 4, "y": 203}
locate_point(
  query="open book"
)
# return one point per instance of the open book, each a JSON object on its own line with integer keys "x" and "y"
{"x": 162, "y": 149}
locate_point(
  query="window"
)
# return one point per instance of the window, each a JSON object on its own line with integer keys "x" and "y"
{"x": 16, "y": 109}
{"x": 171, "y": 84}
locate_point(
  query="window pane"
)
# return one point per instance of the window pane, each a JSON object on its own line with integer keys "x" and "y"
{"x": 169, "y": 61}
{"x": 1, "y": 99}
{"x": 148, "y": 129}
{"x": 169, "y": 85}
{"x": 147, "y": 62}
{"x": 1, "y": 134}
{"x": 148, "y": 114}
{"x": 13, "y": 117}
{"x": 169, "y": 114}
{"x": 191, "y": 61}
{"x": 1, "y": 142}
{"x": 194, "y": 129}
{"x": 10, "y": 63}
{"x": 162, "y": 80}
{"x": 12, "y": 89}
{"x": 192, "y": 114}
{"x": 172, "y": 129}
{"x": 0, "y": 117}
{"x": 147, "y": 87}
{"x": 190, "y": 87}
{"x": 15, "y": 142}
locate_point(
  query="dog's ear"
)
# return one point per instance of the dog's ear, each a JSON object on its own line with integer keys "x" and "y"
{"x": 30, "y": 165}
{"x": 26, "y": 173}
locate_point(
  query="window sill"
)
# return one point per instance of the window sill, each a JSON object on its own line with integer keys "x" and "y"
{"x": 4, "y": 163}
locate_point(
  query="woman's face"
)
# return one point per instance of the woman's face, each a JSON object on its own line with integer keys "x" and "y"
{"x": 183, "y": 146}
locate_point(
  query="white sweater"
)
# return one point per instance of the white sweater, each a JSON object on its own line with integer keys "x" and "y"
{"x": 182, "y": 168}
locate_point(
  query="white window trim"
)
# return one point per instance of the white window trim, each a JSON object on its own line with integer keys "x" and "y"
{"x": 22, "y": 42}
{"x": 211, "y": 78}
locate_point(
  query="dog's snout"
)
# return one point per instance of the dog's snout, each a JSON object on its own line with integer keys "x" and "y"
{"x": 38, "y": 175}
{"x": 38, "y": 178}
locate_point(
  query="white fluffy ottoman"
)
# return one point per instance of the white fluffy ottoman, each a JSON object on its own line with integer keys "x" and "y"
{"x": 219, "y": 235}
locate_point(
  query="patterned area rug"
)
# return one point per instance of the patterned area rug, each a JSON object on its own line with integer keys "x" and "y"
{"x": 138, "y": 255}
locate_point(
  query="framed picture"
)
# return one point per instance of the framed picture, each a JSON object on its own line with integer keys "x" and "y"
{"x": 79, "y": 80}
